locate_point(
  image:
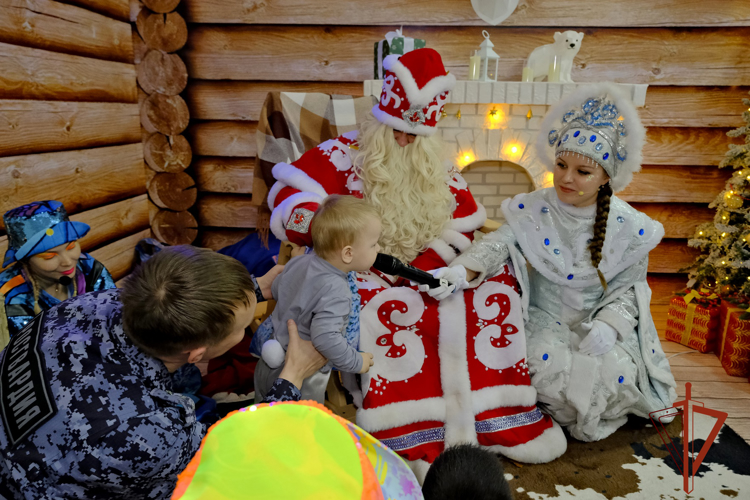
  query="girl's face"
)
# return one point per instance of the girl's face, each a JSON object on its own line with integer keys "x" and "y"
{"x": 56, "y": 262}
{"x": 578, "y": 179}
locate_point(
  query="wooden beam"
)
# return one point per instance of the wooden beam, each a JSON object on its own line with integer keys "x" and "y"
{"x": 694, "y": 106}
{"x": 27, "y": 73}
{"x": 547, "y": 13}
{"x": 118, "y": 257}
{"x": 216, "y": 239}
{"x": 679, "y": 219}
{"x": 227, "y": 211}
{"x": 669, "y": 184}
{"x": 658, "y": 56}
{"x": 224, "y": 175}
{"x": 116, "y": 9}
{"x": 45, "y": 24}
{"x": 81, "y": 179}
{"x": 223, "y": 138}
{"x": 210, "y": 100}
{"x": 41, "y": 126}
{"x": 670, "y": 256}
{"x": 685, "y": 146}
{"x": 664, "y": 286}
{"x": 665, "y": 106}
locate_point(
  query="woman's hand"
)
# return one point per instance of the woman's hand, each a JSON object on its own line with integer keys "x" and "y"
{"x": 265, "y": 282}
{"x": 302, "y": 359}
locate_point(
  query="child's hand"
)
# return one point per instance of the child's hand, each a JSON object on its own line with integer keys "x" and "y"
{"x": 367, "y": 361}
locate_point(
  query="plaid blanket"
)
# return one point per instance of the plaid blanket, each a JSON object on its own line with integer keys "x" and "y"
{"x": 293, "y": 122}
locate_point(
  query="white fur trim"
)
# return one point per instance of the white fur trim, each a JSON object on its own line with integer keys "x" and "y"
{"x": 636, "y": 137}
{"x": 277, "y": 225}
{"x": 501, "y": 396}
{"x": 546, "y": 447}
{"x": 419, "y": 468}
{"x": 443, "y": 250}
{"x": 456, "y": 239}
{"x": 399, "y": 414}
{"x": 274, "y": 192}
{"x": 417, "y": 96}
{"x": 470, "y": 222}
{"x": 399, "y": 124}
{"x": 454, "y": 371}
{"x": 296, "y": 178}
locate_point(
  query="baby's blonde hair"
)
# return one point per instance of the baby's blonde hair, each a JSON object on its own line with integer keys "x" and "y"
{"x": 338, "y": 222}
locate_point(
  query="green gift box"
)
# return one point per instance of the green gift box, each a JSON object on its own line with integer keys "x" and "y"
{"x": 394, "y": 43}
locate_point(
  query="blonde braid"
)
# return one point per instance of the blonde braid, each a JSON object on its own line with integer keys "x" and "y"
{"x": 34, "y": 287}
{"x": 600, "y": 229}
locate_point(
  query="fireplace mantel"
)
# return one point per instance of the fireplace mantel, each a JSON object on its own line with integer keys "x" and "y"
{"x": 532, "y": 93}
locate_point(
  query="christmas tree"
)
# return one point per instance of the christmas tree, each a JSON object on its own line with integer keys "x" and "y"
{"x": 724, "y": 263}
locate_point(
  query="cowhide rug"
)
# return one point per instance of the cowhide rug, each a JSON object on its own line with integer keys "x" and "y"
{"x": 634, "y": 463}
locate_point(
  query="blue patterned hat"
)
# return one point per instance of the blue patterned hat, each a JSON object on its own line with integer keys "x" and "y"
{"x": 38, "y": 227}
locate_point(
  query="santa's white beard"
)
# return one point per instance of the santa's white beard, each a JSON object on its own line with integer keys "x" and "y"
{"x": 408, "y": 187}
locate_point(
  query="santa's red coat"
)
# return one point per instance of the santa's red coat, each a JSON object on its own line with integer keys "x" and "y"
{"x": 445, "y": 372}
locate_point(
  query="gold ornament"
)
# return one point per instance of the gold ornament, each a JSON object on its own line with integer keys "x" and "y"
{"x": 458, "y": 114}
{"x": 529, "y": 115}
{"x": 732, "y": 201}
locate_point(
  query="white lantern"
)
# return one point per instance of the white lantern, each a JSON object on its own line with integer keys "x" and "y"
{"x": 489, "y": 60}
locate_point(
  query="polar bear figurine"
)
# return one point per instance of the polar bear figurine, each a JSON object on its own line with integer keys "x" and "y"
{"x": 566, "y": 47}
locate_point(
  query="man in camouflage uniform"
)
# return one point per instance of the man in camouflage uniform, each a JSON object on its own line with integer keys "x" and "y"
{"x": 85, "y": 388}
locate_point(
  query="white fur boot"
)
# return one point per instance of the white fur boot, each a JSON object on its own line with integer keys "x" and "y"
{"x": 272, "y": 353}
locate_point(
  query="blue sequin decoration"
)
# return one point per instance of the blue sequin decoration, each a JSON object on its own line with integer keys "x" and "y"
{"x": 570, "y": 276}
{"x": 545, "y": 357}
{"x": 520, "y": 205}
{"x": 641, "y": 232}
{"x": 592, "y": 138}
{"x": 557, "y": 251}
{"x": 577, "y": 133}
{"x": 653, "y": 351}
{"x": 606, "y": 155}
{"x": 415, "y": 439}
{"x": 546, "y": 241}
{"x": 511, "y": 421}
{"x": 558, "y": 323}
{"x": 621, "y": 379}
{"x": 545, "y": 210}
{"x": 566, "y": 137}
{"x": 599, "y": 146}
{"x": 620, "y": 219}
{"x": 581, "y": 140}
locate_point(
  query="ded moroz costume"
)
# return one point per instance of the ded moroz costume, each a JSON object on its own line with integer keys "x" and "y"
{"x": 563, "y": 297}
{"x": 445, "y": 372}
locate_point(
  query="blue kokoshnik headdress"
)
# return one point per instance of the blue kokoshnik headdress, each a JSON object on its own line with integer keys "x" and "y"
{"x": 600, "y": 123}
{"x": 38, "y": 227}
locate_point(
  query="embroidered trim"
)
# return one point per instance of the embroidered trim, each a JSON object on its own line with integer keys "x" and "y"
{"x": 511, "y": 421}
{"x": 300, "y": 220}
{"x": 416, "y": 438}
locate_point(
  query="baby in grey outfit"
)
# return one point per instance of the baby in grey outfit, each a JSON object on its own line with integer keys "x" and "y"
{"x": 313, "y": 290}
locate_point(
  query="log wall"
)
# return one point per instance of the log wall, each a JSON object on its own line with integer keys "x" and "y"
{"x": 69, "y": 120}
{"x": 692, "y": 54}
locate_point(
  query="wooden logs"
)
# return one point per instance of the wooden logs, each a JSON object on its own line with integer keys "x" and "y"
{"x": 227, "y": 211}
{"x": 40, "y": 74}
{"x": 119, "y": 9}
{"x": 165, "y": 32}
{"x": 161, "y": 6}
{"x": 173, "y": 191}
{"x": 167, "y": 154}
{"x": 167, "y": 114}
{"x": 119, "y": 255}
{"x": 680, "y": 184}
{"x": 161, "y": 77}
{"x": 175, "y": 228}
{"x": 225, "y": 175}
{"x": 39, "y": 126}
{"x": 162, "y": 73}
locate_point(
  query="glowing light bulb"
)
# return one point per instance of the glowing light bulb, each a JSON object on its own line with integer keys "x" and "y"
{"x": 467, "y": 157}
{"x": 701, "y": 233}
{"x": 514, "y": 149}
{"x": 723, "y": 234}
{"x": 723, "y": 263}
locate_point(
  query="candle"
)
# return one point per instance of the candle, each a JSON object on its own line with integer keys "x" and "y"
{"x": 528, "y": 74}
{"x": 474, "y": 66}
{"x": 554, "y": 69}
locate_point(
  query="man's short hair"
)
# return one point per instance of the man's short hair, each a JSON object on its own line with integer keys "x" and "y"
{"x": 466, "y": 471}
{"x": 338, "y": 222}
{"x": 182, "y": 298}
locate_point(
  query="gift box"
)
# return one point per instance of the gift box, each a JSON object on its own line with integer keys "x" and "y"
{"x": 394, "y": 43}
{"x": 733, "y": 348}
{"x": 693, "y": 320}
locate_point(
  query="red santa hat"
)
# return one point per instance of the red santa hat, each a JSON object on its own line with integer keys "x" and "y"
{"x": 415, "y": 90}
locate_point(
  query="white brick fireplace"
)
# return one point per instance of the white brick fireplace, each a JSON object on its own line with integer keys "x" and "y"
{"x": 493, "y": 135}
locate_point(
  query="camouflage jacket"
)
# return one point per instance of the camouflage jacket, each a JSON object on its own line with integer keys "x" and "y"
{"x": 85, "y": 413}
